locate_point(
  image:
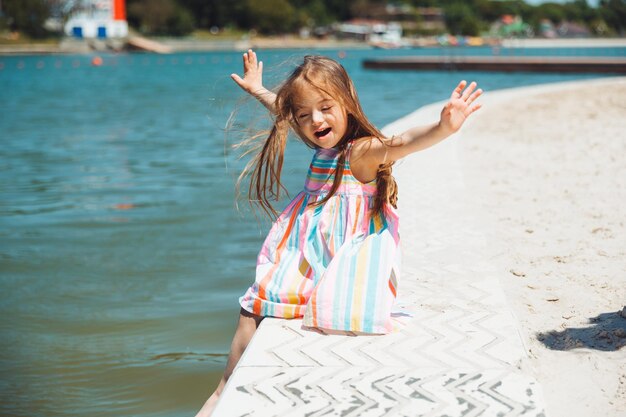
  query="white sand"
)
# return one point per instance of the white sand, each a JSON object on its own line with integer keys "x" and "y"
{"x": 547, "y": 164}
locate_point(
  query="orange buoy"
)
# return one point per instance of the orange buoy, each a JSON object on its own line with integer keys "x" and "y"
{"x": 341, "y": 54}
{"x": 96, "y": 61}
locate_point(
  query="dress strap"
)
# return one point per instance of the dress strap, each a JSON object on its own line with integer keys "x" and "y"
{"x": 348, "y": 155}
{"x": 348, "y": 167}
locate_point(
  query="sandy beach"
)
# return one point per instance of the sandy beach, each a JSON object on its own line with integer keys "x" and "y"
{"x": 546, "y": 165}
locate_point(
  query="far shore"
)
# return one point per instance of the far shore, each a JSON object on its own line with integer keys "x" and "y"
{"x": 73, "y": 46}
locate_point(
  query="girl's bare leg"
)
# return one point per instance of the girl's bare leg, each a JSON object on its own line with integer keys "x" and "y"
{"x": 248, "y": 323}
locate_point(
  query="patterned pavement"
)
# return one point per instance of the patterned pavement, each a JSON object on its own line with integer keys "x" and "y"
{"x": 457, "y": 350}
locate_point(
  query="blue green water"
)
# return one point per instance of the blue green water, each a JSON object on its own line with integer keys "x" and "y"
{"x": 122, "y": 252}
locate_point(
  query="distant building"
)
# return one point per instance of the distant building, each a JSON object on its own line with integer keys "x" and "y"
{"x": 411, "y": 18}
{"x": 546, "y": 29}
{"x": 369, "y": 30}
{"x": 433, "y": 19}
{"x": 511, "y": 26}
{"x": 98, "y": 19}
{"x": 572, "y": 30}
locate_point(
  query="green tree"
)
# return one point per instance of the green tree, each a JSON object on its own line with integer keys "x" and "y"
{"x": 160, "y": 17}
{"x": 491, "y": 11}
{"x": 614, "y": 14}
{"x": 27, "y": 16}
{"x": 270, "y": 16}
{"x": 580, "y": 11}
{"x": 181, "y": 23}
{"x": 461, "y": 20}
{"x": 220, "y": 13}
{"x": 339, "y": 9}
{"x": 553, "y": 11}
{"x": 319, "y": 13}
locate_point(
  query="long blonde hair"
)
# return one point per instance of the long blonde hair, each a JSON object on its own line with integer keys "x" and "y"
{"x": 264, "y": 169}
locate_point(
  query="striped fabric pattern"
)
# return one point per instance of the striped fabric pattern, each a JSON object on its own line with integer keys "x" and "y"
{"x": 335, "y": 265}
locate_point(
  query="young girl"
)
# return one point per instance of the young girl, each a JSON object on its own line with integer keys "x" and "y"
{"x": 332, "y": 256}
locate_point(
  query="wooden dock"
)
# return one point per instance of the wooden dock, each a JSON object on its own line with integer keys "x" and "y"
{"x": 615, "y": 65}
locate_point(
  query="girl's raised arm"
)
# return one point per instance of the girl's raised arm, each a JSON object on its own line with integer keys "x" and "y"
{"x": 252, "y": 81}
{"x": 453, "y": 115}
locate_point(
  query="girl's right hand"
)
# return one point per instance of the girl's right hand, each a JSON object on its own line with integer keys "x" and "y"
{"x": 252, "y": 81}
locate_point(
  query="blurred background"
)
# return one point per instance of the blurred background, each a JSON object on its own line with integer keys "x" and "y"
{"x": 123, "y": 245}
{"x": 213, "y": 24}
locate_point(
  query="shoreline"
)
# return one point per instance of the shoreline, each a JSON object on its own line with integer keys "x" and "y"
{"x": 174, "y": 45}
{"x": 72, "y": 46}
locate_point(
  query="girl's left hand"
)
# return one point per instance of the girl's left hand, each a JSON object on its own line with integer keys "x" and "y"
{"x": 458, "y": 109}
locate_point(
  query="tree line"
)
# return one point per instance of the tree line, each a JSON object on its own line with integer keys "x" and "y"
{"x": 182, "y": 17}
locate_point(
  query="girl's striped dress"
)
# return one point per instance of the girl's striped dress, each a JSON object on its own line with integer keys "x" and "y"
{"x": 336, "y": 265}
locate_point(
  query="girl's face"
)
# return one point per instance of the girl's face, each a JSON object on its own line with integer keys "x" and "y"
{"x": 321, "y": 119}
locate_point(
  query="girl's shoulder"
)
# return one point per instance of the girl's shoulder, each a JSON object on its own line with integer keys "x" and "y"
{"x": 366, "y": 147}
{"x": 363, "y": 157}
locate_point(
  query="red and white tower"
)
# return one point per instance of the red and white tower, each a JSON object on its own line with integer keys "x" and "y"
{"x": 98, "y": 19}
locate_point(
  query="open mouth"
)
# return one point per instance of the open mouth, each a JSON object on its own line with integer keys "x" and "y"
{"x": 322, "y": 133}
